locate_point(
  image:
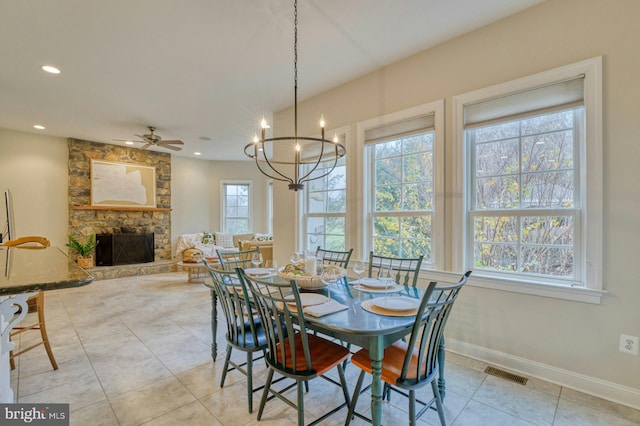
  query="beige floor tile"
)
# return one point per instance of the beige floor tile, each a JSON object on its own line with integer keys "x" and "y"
{"x": 85, "y": 391}
{"x": 99, "y": 414}
{"x": 151, "y": 401}
{"x": 518, "y": 400}
{"x": 193, "y": 414}
{"x": 478, "y": 414}
{"x": 600, "y": 404}
{"x": 117, "y": 379}
{"x": 571, "y": 414}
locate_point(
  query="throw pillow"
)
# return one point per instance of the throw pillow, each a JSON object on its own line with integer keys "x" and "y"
{"x": 224, "y": 240}
{"x": 264, "y": 237}
{"x": 192, "y": 255}
{"x": 207, "y": 238}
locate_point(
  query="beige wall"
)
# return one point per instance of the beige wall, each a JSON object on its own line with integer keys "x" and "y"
{"x": 34, "y": 168}
{"x": 570, "y": 342}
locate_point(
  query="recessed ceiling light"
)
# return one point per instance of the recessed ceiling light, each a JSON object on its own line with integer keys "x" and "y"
{"x": 129, "y": 143}
{"x": 50, "y": 69}
{"x": 38, "y": 126}
{"x": 204, "y": 138}
{"x": 197, "y": 153}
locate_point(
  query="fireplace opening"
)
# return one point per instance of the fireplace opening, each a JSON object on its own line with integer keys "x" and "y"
{"x": 124, "y": 249}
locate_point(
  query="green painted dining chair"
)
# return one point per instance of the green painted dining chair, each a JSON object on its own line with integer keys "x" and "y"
{"x": 332, "y": 257}
{"x": 230, "y": 260}
{"x": 408, "y": 365}
{"x": 244, "y": 331}
{"x": 291, "y": 351}
{"x": 405, "y": 269}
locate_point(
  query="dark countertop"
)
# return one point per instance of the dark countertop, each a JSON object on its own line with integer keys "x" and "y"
{"x": 26, "y": 270}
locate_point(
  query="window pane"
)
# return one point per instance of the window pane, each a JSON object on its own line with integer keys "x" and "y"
{"x": 336, "y": 201}
{"x": 497, "y": 193}
{"x": 498, "y": 257}
{"x": 494, "y": 228}
{"x": 498, "y": 131}
{"x": 547, "y": 123}
{"x": 388, "y": 198}
{"x": 316, "y": 202}
{"x": 386, "y": 246}
{"x": 338, "y": 178}
{"x": 551, "y": 190}
{"x": 389, "y": 171}
{"x": 416, "y": 167}
{"x": 418, "y": 197}
{"x": 549, "y": 151}
{"x": 387, "y": 149}
{"x": 548, "y": 261}
{"x": 556, "y": 230}
{"x": 386, "y": 226}
{"x": 417, "y": 143}
{"x": 497, "y": 158}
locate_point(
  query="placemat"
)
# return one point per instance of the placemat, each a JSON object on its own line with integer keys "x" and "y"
{"x": 370, "y": 307}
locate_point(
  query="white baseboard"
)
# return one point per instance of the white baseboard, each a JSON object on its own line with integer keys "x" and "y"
{"x": 590, "y": 385}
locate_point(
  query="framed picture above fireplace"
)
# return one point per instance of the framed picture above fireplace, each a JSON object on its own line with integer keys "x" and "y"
{"x": 122, "y": 184}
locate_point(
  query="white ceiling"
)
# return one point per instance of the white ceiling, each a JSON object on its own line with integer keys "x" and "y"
{"x": 202, "y": 68}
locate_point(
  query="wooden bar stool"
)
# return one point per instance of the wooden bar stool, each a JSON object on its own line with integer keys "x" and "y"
{"x": 34, "y": 302}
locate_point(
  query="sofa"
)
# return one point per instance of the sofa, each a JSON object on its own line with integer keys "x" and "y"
{"x": 209, "y": 243}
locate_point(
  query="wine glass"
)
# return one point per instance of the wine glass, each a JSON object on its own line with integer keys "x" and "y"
{"x": 256, "y": 259}
{"x": 272, "y": 266}
{"x": 294, "y": 257}
{"x": 358, "y": 268}
{"x": 329, "y": 276}
{"x": 384, "y": 275}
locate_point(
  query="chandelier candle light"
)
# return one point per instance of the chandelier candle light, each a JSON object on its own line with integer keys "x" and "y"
{"x": 306, "y": 150}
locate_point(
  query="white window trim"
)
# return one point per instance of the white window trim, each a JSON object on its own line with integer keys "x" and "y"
{"x": 223, "y": 201}
{"x": 438, "y": 235}
{"x": 591, "y": 192}
{"x": 301, "y": 230}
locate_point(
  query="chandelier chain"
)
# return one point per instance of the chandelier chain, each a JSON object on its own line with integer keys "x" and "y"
{"x": 295, "y": 68}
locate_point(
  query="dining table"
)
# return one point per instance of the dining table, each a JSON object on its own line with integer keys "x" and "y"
{"x": 360, "y": 327}
{"x": 24, "y": 272}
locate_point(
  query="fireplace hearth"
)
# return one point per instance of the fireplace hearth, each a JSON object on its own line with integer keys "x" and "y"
{"x": 124, "y": 249}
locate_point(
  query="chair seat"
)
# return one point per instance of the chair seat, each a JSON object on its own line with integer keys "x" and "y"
{"x": 391, "y": 364}
{"x": 324, "y": 355}
{"x": 247, "y": 341}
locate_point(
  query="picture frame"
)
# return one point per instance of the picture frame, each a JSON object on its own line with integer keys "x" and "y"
{"x": 122, "y": 184}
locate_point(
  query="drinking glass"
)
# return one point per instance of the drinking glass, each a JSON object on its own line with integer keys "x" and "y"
{"x": 385, "y": 275}
{"x": 358, "y": 268}
{"x": 329, "y": 277}
{"x": 256, "y": 259}
{"x": 295, "y": 257}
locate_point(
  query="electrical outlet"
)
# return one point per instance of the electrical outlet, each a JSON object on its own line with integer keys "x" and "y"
{"x": 629, "y": 344}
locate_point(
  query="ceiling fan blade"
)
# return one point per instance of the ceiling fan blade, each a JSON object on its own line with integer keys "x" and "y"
{"x": 175, "y": 148}
{"x": 147, "y": 140}
{"x": 124, "y": 140}
{"x": 146, "y": 146}
{"x": 172, "y": 142}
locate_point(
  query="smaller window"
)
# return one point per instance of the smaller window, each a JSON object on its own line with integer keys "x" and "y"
{"x": 236, "y": 212}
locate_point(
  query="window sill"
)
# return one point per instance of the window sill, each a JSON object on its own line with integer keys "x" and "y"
{"x": 565, "y": 292}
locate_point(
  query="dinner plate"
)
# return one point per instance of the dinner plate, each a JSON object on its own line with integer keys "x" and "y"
{"x": 257, "y": 272}
{"x": 310, "y": 299}
{"x": 375, "y": 283}
{"x": 396, "y": 303}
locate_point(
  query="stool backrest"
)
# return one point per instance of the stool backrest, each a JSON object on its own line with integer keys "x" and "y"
{"x": 30, "y": 242}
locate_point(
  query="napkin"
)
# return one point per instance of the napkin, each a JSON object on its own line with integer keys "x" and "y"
{"x": 325, "y": 308}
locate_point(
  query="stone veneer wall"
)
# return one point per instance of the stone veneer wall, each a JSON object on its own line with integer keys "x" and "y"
{"x": 83, "y": 223}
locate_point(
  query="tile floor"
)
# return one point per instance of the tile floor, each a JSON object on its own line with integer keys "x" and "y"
{"x": 136, "y": 351}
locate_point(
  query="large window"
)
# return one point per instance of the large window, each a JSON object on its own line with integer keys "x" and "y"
{"x": 236, "y": 212}
{"x": 530, "y": 174}
{"x": 325, "y": 207}
{"x": 524, "y": 205}
{"x": 403, "y": 157}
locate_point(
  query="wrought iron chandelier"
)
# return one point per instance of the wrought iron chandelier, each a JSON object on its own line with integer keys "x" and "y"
{"x": 302, "y": 151}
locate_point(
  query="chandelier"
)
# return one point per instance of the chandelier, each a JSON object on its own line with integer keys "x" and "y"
{"x": 276, "y": 156}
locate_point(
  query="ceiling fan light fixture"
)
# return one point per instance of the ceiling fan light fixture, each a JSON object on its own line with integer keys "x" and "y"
{"x": 39, "y": 126}
{"x": 308, "y": 151}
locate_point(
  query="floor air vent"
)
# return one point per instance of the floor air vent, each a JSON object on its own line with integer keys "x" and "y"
{"x": 506, "y": 375}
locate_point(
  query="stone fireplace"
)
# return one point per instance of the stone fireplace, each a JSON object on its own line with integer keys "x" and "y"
{"x": 85, "y": 220}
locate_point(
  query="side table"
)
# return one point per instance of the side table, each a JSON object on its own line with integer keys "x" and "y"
{"x": 197, "y": 271}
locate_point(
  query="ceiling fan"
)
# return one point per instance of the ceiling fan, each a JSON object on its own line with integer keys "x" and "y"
{"x": 151, "y": 139}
